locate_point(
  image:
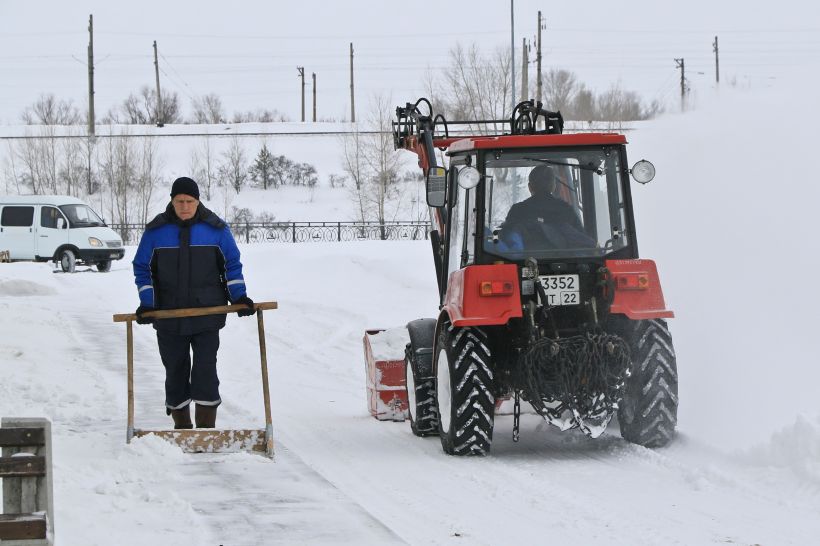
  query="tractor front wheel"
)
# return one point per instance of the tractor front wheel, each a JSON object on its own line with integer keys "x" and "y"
{"x": 463, "y": 388}
{"x": 421, "y": 398}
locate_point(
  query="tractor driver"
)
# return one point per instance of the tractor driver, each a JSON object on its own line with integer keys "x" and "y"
{"x": 543, "y": 220}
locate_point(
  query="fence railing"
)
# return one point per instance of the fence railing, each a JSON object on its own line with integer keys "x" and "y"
{"x": 304, "y": 232}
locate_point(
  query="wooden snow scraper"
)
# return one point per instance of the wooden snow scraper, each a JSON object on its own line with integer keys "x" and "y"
{"x": 205, "y": 440}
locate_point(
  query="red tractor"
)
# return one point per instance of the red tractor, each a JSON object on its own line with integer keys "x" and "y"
{"x": 543, "y": 296}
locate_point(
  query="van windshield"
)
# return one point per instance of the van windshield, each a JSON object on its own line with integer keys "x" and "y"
{"x": 81, "y": 216}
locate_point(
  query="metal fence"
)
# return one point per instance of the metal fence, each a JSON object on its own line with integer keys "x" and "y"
{"x": 305, "y": 232}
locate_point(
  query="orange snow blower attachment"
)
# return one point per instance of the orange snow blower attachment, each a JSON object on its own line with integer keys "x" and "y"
{"x": 205, "y": 440}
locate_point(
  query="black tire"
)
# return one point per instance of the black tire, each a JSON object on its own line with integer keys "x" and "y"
{"x": 68, "y": 261}
{"x": 648, "y": 413}
{"x": 421, "y": 394}
{"x": 464, "y": 395}
{"x": 104, "y": 266}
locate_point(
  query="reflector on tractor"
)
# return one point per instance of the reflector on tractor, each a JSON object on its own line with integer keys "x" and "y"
{"x": 205, "y": 440}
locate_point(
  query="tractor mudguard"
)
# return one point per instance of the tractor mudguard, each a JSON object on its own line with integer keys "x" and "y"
{"x": 637, "y": 290}
{"x": 483, "y": 295}
{"x": 422, "y": 337}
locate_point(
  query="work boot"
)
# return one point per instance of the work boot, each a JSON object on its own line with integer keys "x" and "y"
{"x": 205, "y": 416}
{"x": 182, "y": 418}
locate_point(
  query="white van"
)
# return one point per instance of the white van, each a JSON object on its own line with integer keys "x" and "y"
{"x": 59, "y": 228}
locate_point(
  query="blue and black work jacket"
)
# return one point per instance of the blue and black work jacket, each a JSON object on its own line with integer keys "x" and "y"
{"x": 188, "y": 263}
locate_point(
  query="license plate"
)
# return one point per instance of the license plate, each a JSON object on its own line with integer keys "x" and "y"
{"x": 561, "y": 289}
{"x": 114, "y": 255}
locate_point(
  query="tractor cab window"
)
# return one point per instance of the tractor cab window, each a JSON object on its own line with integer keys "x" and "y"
{"x": 554, "y": 204}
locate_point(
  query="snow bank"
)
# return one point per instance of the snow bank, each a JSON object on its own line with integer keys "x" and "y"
{"x": 795, "y": 447}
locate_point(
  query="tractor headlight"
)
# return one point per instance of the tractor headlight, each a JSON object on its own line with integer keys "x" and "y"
{"x": 93, "y": 241}
{"x": 643, "y": 171}
{"x": 469, "y": 177}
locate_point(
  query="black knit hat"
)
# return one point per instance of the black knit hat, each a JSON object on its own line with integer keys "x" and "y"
{"x": 542, "y": 179}
{"x": 185, "y": 186}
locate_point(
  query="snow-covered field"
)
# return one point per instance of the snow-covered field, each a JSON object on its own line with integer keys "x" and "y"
{"x": 729, "y": 220}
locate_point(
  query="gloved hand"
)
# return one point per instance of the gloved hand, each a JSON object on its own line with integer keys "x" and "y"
{"x": 144, "y": 309}
{"x": 245, "y": 300}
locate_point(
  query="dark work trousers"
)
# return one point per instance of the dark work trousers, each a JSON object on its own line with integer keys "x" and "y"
{"x": 185, "y": 383}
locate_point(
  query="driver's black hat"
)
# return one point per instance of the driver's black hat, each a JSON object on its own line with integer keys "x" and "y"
{"x": 542, "y": 179}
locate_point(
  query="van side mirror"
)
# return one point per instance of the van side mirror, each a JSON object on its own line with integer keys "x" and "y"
{"x": 437, "y": 187}
{"x": 60, "y": 223}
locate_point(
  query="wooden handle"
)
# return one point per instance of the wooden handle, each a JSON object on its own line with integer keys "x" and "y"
{"x": 195, "y": 311}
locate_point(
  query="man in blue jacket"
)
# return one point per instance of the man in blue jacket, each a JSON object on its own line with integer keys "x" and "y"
{"x": 187, "y": 257}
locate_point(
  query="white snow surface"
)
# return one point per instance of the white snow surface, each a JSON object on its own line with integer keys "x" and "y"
{"x": 729, "y": 221}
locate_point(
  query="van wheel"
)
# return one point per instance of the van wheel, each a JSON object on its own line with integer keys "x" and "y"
{"x": 68, "y": 261}
{"x": 104, "y": 266}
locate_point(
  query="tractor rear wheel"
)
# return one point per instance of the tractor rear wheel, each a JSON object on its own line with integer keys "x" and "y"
{"x": 421, "y": 397}
{"x": 464, "y": 396}
{"x": 648, "y": 412}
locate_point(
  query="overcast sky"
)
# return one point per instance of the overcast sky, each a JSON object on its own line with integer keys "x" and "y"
{"x": 248, "y": 53}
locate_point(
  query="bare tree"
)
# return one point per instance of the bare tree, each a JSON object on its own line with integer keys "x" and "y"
{"x": 49, "y": 110}
{"x": 560, "y": 90}
{"x": 28, "y": 154}
{"x": 38, "y": 157}
{"x": 475, "y": 87}
{"x": 148, "y": 174}
{"x": 72, "y": 168}
{"x": 209, "y": 175}
{"x": 92, "y": 182}
{"x": 584, "y": 106}
{"x": 12, "y": 177}
{"x": 261, "y": 115}
{"x": 614, "y": 105}
{"x": 353, "y": 165}
{"x": 373, "y": 164}
{"x": 141, "y": 108}
{"x": 208, "y": 109}
{"x": 119, "y": 164}
{"x": 233, "y": 170}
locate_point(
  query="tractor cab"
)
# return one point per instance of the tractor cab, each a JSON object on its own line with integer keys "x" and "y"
{"x": 547, "y": 203}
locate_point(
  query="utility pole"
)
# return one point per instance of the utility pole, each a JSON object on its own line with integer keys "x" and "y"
{"x": 301, "y": 70}
{"x": 525, "y": 73}
{"x": 717, "y": 61}
{"x": 160, "y": 116}
{"x": 512, "y": 52}
{"x": 352, "y": 98}
{"x": 91, "y": 119}
{"x": 538, "y": 59}
{"x": 314, "y": 97}
{"x": 679, "y": 63}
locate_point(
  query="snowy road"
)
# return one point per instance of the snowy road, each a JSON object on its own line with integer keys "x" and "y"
{"x": 341, "y": 477}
